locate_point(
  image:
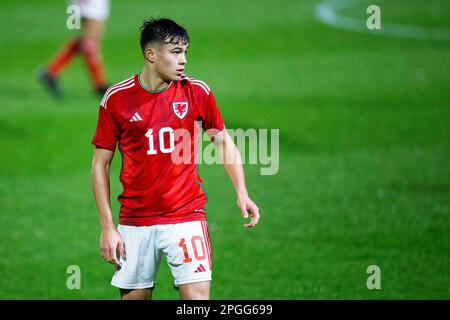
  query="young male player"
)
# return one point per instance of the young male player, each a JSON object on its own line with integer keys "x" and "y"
{"x": 162, "y": 200}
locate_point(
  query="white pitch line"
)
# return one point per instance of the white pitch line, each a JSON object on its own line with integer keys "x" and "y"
{"x": 326, "y": 12}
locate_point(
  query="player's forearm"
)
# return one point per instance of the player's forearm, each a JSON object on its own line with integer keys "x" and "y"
{"x": 101, "y": 190}
{"x": 236, "y": 174}
{"x": 232, "y": 163}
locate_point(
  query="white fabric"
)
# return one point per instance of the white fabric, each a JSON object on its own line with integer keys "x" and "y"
{"x": 93, "y": 9}
{"x": 145, "y": 247}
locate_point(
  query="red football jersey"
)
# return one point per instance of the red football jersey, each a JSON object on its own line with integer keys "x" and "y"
{"x": 157, "y": 190}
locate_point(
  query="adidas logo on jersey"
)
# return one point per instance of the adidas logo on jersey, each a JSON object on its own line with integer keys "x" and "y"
{"x": 136, "y": 117}
{"x": 200, "y": 268}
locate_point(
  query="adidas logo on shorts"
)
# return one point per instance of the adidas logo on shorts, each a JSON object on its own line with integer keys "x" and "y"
{"x": 200, "y": 268}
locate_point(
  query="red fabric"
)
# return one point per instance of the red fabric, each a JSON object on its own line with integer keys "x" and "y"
{"x": 91, "y": 55}
{"x": 63, "y": 57}
{"x": 155, "y": 189}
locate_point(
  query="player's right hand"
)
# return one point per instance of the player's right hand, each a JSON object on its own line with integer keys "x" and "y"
{"x": 111, "y": 244}
{"x": 248, "y": 207}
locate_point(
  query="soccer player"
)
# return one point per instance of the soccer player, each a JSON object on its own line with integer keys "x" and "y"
{"x": 162, "y": 203}
{"x": 88, "y": 43}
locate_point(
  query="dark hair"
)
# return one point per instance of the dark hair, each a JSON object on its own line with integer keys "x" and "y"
{"x": 162, "y": 30}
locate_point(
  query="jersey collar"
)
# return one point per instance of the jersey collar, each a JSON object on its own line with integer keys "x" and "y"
{"x": 150, "y": 90}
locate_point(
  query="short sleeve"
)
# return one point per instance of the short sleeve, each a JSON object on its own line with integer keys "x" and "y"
{"x": 210, "y": 114}
{"x": 107, "y": 131}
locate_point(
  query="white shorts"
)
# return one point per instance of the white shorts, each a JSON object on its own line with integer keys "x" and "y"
{"x": 93, "y": 9}
{"x": 186, "y": 246}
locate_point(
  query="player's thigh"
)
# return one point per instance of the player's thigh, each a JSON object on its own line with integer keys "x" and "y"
{"x": 92, "y": 29}
{"x": 194, "y": 291}
{"x": 188, "y": 252}
{"x": 136, "y": 294}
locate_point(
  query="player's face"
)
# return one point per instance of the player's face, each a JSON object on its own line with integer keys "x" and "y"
{"x": 171, "y": 61}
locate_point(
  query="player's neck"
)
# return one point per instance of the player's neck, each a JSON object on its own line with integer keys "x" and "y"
{"x": 151, "y": 81}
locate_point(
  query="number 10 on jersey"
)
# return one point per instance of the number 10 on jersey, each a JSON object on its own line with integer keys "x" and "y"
{"x": 163, "y": 132}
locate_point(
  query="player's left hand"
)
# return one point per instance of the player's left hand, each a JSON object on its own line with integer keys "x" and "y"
{"x": 248, "y": 207}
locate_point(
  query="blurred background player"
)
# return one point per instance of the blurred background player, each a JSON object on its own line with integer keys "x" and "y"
{"x": 87, "y": 43}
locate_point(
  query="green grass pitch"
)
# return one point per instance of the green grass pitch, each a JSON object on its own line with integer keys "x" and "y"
{"x": 364, "y": 173}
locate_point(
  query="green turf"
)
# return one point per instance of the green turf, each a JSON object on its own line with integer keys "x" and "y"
{"x": 364, "y": 151}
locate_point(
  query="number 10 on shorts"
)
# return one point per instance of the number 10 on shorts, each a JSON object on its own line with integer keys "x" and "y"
{"x": 195, "y": 243}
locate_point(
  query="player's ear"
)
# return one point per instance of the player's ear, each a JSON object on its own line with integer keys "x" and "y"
{"x": 149, "y": 54}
